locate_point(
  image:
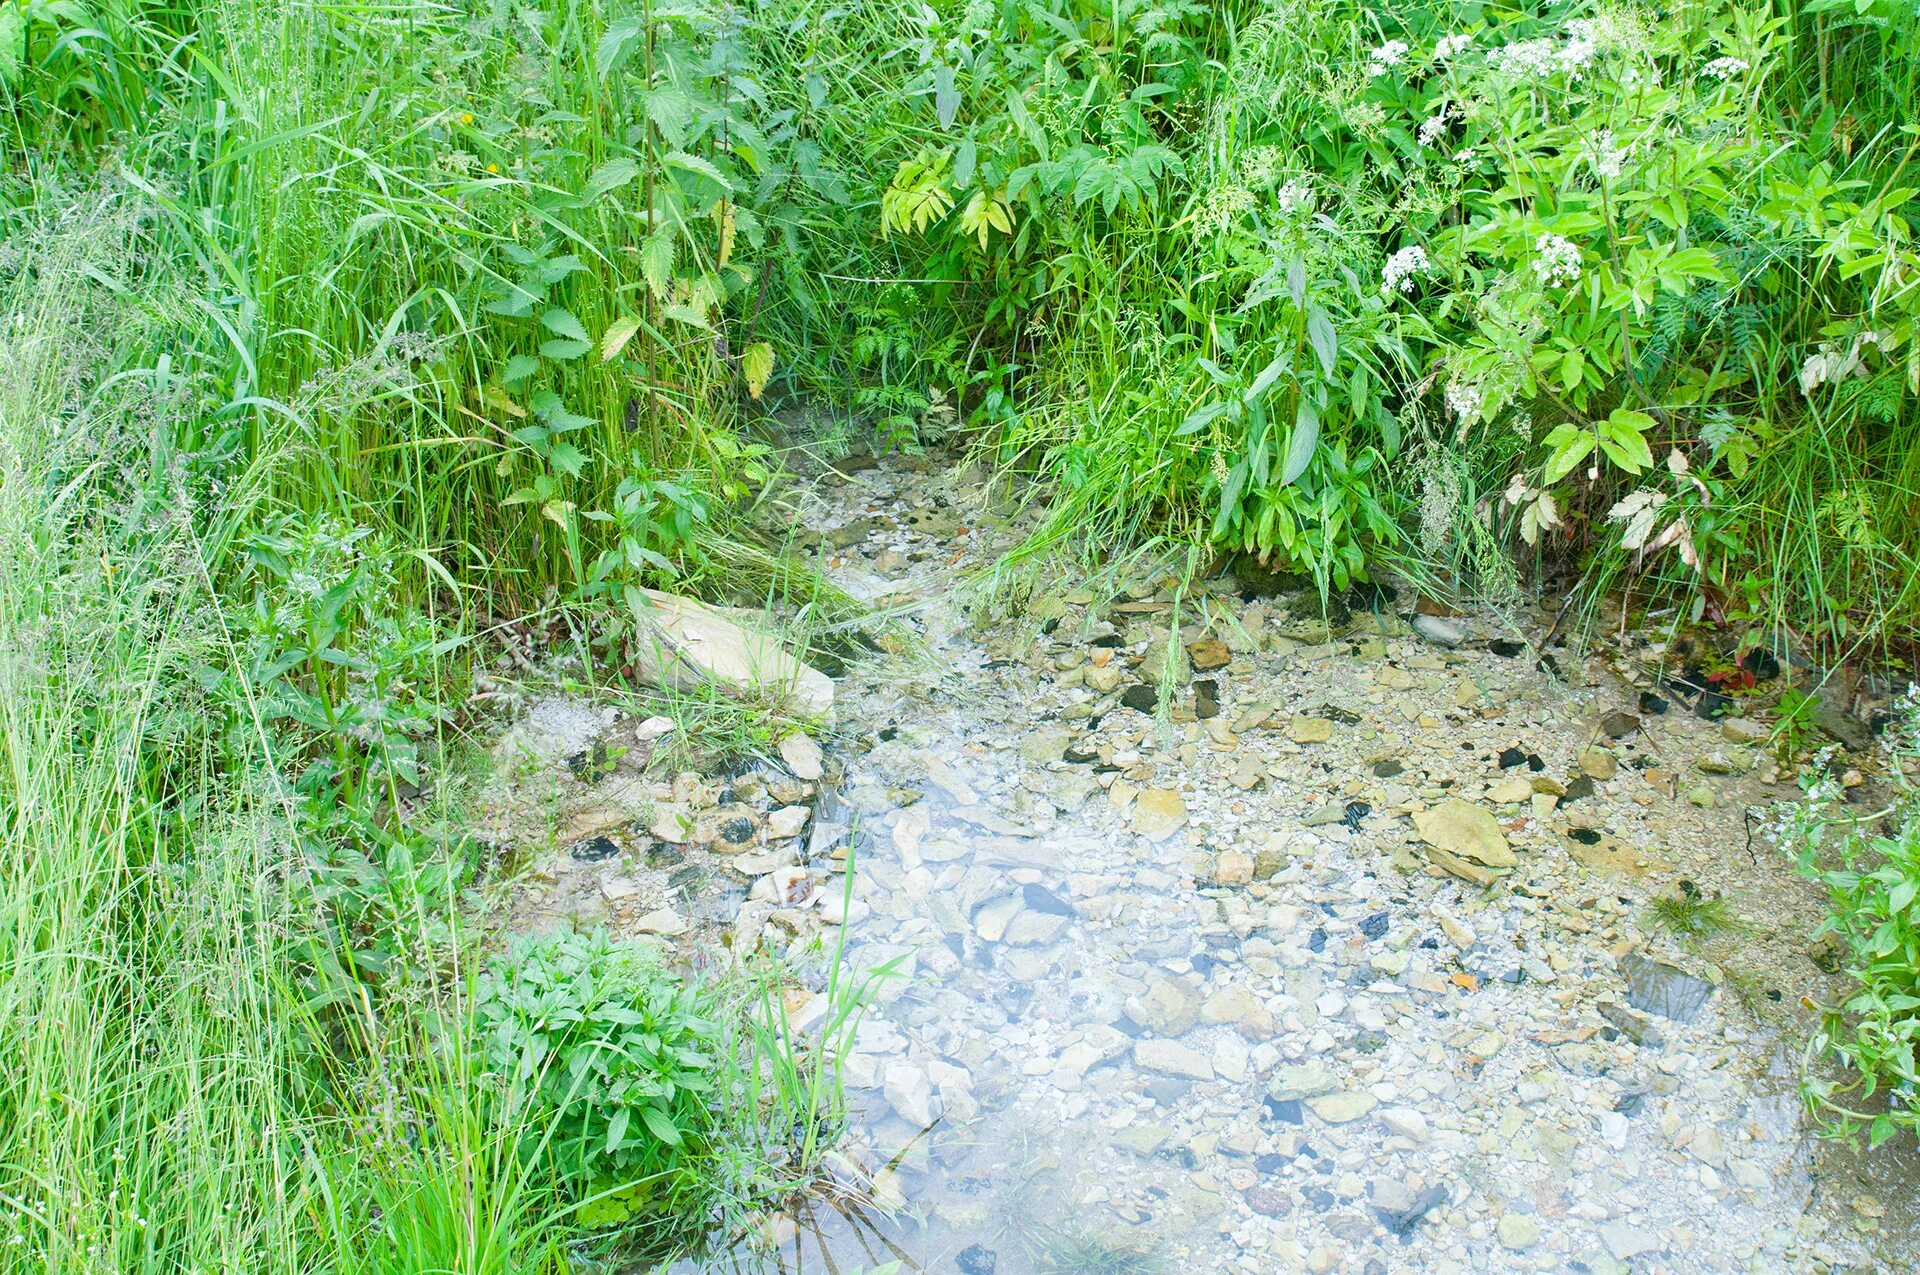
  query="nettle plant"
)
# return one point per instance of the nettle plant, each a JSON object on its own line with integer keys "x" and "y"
{"x": 1634, "y": 257}
{"x": 1870, "y": 867}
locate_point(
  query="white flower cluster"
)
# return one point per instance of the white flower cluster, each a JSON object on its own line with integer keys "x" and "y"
{"x": 1465, "y": 401}
{"x": 1435, "y": 125}
{"x": 1387, "y": 56}
{"x": 1608, "y": 158}
{"x": 1449, "y": 47}
{"x": 1556, "y": 261}
{"x": 1295, "y": 197}
{"x": 1725, "y": 68}
{"x": 1402, "y": 268}
{"x": 1541, "y": 58}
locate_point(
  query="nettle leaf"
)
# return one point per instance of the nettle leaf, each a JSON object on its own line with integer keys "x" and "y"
{"x": 548, "y": 407}
{"x": 615, "y": 339}
{"x": 671, "y": 111}
{"x": 564, "y": 351}
{"x": 694, "y": 164}
{"x": 612, "y": 175}
{"x": 756, "y": 366}
{"x": 562, "y": 323}
{"x": 518, "y": 369}
{"x": 616, "y": 44}
{"x": 656, "y": 262}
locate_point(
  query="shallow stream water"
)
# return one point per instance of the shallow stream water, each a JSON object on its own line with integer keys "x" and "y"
{"x": 1185, "y": 987}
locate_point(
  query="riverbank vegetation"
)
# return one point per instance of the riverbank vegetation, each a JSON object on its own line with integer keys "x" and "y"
{"x": 339, "y": 339}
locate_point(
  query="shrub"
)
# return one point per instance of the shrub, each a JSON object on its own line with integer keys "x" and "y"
{"x": 1873, "y": 889}
{"x": 610, "y": 1061}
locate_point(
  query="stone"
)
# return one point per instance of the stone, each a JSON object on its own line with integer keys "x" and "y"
{"x": 1293, "y": 1081}
{"x": 1339, "y": 1108}
{"x": 991, "y": 919}
{"x": 802, "y": 756}
{"x": 1233, "y": 868}
{"x": 1169, "y": 1006}
{"x": 1104, "y": 678}
{"x": 1654, "y": 987}
{"x": 1596, "y": 763}
{"x": 1626, "y": 1241}
{"x": 1208, "y": 654}
{"x": 1517, "y": 1231}
{"x": 1158, "y": 813}
{"x": 787, "y": 822}
{"x": 1172, "y": 1058}
{"x": 664, "y": 921}
{"x": 1702, "y": 796}
{"x": 1619, "y": 724}
{"x": 1310, "y": 730}
{"x": 1511, "y": 791}
{"x": 1465, "y": 831}
{"x": 909, "y": 1091}
{"x": 685, "y": 644}
{"x": 1406, "y": 1122}
{"x": 1439, "y": 630}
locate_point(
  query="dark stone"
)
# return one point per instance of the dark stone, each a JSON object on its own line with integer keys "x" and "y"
{"x": 1075, "y": 757}
{"x": 1585, "y": 836}
{"x": 1619, "y": 724}
{"x": 1268, "y": 1200}
{"x": 1355, "y": 811}
{"x": 1655, "y": 987}
{"x": 1403, "y": 1222}
{"x": 1317, "y": 941}
{"x": 737, "y": 832}
{"x": 1635, "y": 1027}
{"x": 1580, "y": 787}
{"x": 1374, "y": 926}
{"x": 1504, "y": 649}
{"x": 1652, "y": 704}
{"x": 687, "y": 879}
{"x": 594, "y": 850}
{"x": 1140, "y": 697}
{"x": 1511, "y": 757}
{"x": 1711, "y": 706}
{"x": 1548, "y": 665}
{"x": 1368, "y": 1042}
{"x": 1388, "y": 769}
{"x": 1285, "y": 1110}
{"x": 1631, "y": 1104}
{"x": 1206, "y": 699}
{"x": 977, "y": 1259}
{"x": 1040, "y": 899}
{"x": 1270, "y": 1162}
{"x": 1345, "y": 716}
{"x": 1108, "y": 640}
{"x": 1536, "y": 763}
{"x": 664, "y": 854}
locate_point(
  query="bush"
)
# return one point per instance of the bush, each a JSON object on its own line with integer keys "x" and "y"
{"x": 1873, "y": 887}
{"x": 610, "y": 1062}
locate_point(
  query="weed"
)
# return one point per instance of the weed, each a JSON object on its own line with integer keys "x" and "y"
{"x": 1690, "y": 914}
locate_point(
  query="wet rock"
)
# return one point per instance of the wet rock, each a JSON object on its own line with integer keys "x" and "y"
{"x": 594, "y": 850}
{"x": 663, "y": 921}
{"x": 685, "y": 644}
{"x": 1339, "y": 1108}
{"x": 1388, "y": 769}
{"x": 787, "y": 822}
{"x": 1402, "y": 1222}
{"x": 802, "y": 756}
{"x": 1140, "y": 697}
{"x": 1465, "y": 840}
{"x": 1517, "y": 1231}
{"x": 1439, "y": 630}
{"x": 1655, "y": 987}
{"x": 1268, "y": 1200}
{"x": 1635, "y": 1027}
{"x": 1626, "y": 1241}
{"x": 1233, "y": 868}
{"x": 1580, "y": 789}
{"x": 1206, "y": 700}
{"x": 1158, "y": 813}
{"x": 1406, "y": 1122}
{"x": 1310, "y": 730}
{"x": 977, "y": 1259}
{"x": 1294, "y": 1081}
{"x": 1172, "y": 1058}
{"x": 1169, "y": 1006}
{"x": 1208, "y": 654}
{"x": 1619, "y": 724}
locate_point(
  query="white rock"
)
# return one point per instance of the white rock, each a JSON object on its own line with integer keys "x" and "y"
{"x": 801, "y": 756}
{"x": 686, "y": 644}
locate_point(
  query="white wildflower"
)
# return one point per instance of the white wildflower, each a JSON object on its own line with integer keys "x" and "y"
{"x": 1465, "y": 401}
{"x": 1608, "y": 159}
{"x": 1450, "y": 46}
{"x": 1464, "y": 156}
{"x": 1295, "y": 197}
{"x": 1435, "y": 125}
{"x": 1387, "y": 56}
{"x": 1401, "y": 269}
{"x": 1556, "y": 261}
{"x": 1725, "y": 68}
{"x": 1527, "y": 59}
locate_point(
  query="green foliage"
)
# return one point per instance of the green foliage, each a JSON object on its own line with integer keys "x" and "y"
{"x": 590, "y": 1041}
{"x": 1871, "y": 871}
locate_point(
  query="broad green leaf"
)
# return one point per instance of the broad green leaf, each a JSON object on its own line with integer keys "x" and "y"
{"x": 1268, "y": 375}
{"x": 1622, "y": 437}
{"x": 612, "y": 175}
{"x": 615, "y": 339}
{"x": 756, "y": 366}
{"x": 518, "y": 369}
{"x": 562, "y": 351}
{"x": 1326, "y": 342}
{"x": 695, "y": 164}
{"x": 661, "y": 1124}
{"x": 1566, "y": 447}
{"x": 562, "y": 323}
{"x": 1300, "y": 444}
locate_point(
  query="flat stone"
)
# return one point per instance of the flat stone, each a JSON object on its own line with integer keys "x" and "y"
{"x": 1172, "y": 1058}
{"x": 787, "y": 822}
{"x": 663, "y": 921}
{"x": 1596, "y": 763}
{"x": 1464, "y": 830}
{"x": 1406, "y": 1122}
{"x": 1655, "y": 987}
{"x": 1310, "y": 730}
{"x": 1293, "y": 1081}
{"x": 685, "y": 644}
{"x": 1509, "y": 792}
{"x": 1517, "y": 1231}
{"x": 1439, "y": 630}
{"x": 802, "y": 756}
{"x": 1233, "y": 868}
{"x": 1158, "y": 813}
{"x": 1626, "y": 1241}
{"x": 1339, "y": 1108}
{"x": 1208, "y": 654}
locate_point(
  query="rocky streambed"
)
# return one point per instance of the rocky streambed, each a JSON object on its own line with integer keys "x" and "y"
{"x": 1343, "y": 958}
